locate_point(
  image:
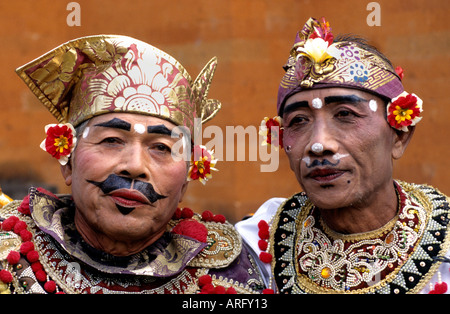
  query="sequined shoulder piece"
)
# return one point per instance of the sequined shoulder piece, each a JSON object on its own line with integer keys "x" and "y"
{"x": 224, "y": 246}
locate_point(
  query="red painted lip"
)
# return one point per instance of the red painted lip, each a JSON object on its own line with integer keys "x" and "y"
{"x": 325, "y": 175}
{"x": 129, "y": 198}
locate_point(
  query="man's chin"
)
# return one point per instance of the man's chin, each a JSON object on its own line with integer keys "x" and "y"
{"x": 330, "y": 196}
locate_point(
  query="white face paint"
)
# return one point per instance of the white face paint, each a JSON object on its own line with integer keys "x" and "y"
{"x": 373, "y": 105}
{"x": 86, "y": 132}
{"x": 307, "y": 160}
{"x": 139, "y": 128}
{"x": 317, "y": 103}
{"x": 317, "y": 148}
{"x": 338, "y": 156}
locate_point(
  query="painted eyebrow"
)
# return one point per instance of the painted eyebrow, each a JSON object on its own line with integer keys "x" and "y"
{"x": 159, "y": 129}
{"x": 116, "y": 124}
{"x": 294, "y": 106}
{"x": 349, "y": 99}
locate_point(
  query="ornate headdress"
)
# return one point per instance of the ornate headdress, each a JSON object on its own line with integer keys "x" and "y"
{"x": 317, "y": 61}
{"x": 94, "y": 75}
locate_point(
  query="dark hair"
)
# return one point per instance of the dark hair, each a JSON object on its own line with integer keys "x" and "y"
{"x": 362, "y": 43}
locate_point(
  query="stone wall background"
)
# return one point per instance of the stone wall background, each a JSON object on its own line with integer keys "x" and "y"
{"x": 252, "y": 39}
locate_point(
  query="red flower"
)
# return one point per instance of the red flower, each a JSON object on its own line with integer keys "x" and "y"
{"x": 323, "y": 30}
{"x": 60, "y": 141}
{"x": 404, "y": 111}
{"x": 399, "y": 72}
{"x": 201, "y": 164}
{"x": 272, "y": 132}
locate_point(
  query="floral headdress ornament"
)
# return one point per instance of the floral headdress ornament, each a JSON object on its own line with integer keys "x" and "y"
{"x": 404, "y": 110}
{"x": 60, "y": 141}
{"x": 272, "y": 132}
{"x": 319, "y": 46}
{"x": 202, "y": 163}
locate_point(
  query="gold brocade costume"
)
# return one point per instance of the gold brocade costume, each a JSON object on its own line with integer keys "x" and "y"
{"x": 173, "y": 264}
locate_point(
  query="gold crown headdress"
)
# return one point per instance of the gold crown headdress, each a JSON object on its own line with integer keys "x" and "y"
{"x": 101, "y": 74}
{"x": 94, "y": 75}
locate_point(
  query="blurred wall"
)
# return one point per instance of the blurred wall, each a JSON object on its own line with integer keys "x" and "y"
{"x": 252, "y": 39}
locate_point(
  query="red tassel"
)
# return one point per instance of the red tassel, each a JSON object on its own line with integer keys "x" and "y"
{"x": 33, "y": 256}
{"x": 440, "y": 288}
{"x": 268, "y": 291}
{"x": 265, "y": 257}
{"x": 220, "y": 290}
{"x": 207, "y": 215}
{"x": 24, "y": 207}
{"x": 13, "y": 257}
{"x": 187, "y": 213}
{"x": 192, "y": 229}
{"x": 25, "y": 235}
{"x": 50, "y": 286}
{"x": 5, "y": 276}
{"x": 262, "y": 244}
{"x": 204, "y": 280}
{"x": 219, "y": 218}
{"x": 26, "y": 247}
{"x": 41, "y": 276}
{"x": 19, "y": 226}
{"x": 177, "y": 214}
{"x": 9, "y": 223}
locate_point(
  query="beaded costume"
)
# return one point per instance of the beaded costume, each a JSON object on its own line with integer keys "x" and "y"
{"x": 43, "y": 253}
{"x": 407, "y": 255}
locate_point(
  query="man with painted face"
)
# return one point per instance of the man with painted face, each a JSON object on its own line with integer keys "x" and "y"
{"x": 353, "y": 229}
{"x": 119, "y": 102}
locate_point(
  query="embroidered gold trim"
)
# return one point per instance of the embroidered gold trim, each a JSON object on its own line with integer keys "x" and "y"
{"x": 300, "y": 283}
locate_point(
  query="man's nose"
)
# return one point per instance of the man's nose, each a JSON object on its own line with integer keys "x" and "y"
{"x": 135, "y": 162}
{"x": 323, "y": 140}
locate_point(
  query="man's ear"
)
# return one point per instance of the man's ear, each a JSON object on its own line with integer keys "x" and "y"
{"x": 66, "y": 171}
{"x": 183, "y": 190}
{"x": 401, "y": 141}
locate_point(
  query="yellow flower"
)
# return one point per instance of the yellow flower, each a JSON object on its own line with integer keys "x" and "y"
{"x": 319, "y": 50}
{"x": 61, "y": 143}
{"x": 402, "y": 114}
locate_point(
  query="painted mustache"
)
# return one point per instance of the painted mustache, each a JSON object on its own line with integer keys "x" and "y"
{"x": 317, "y": 163}
{"x": 114, "y": 183}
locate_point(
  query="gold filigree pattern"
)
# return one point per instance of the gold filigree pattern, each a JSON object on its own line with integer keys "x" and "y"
{"x": 107, "y": 73}
{"x": 398, "y": 258}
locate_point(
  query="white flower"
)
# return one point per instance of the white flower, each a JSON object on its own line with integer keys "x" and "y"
{"x": 319, "y": 50}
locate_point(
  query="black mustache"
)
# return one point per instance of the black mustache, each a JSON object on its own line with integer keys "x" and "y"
{"x": 114, "y": 182}
{"x": 325, "y": 162}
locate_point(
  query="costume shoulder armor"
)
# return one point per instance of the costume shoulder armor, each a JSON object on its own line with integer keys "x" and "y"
{"x": 223, "y": 242}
